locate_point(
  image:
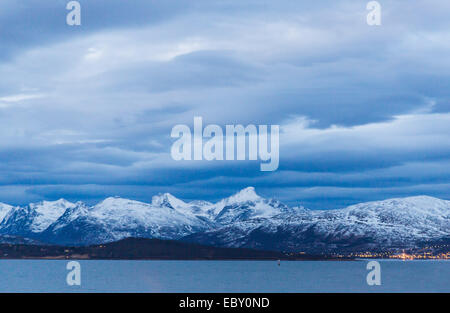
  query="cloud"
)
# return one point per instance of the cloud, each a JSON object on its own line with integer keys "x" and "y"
{"x": 88, "y": 111}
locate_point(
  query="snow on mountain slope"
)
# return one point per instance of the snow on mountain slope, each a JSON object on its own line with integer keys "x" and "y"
{"x": 242, "y": 220}
{"x": 4, "y": 210}
{"x": 124, "y": 213}
{"x": 196, "y": 210}
{"x": 245, "y": 205}
{"x": 77, "y": 227}
{"x": 393, "y": 220}
{"x": 365, "y": 226}
{"x": 47, "y": 213}
{"x": 116, "y": 218}
{"x": 168, "y": 200}
{"x": 34, "y": 218}
{"x": 202, "y": 209}
{"x": 167, "y": 217}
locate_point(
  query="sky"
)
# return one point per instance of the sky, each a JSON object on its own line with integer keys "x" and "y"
{"x": 86, "y": 111}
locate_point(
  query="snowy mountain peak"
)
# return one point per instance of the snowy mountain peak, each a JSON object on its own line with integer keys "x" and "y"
{"x": 111, "y": 198}
{"x": 246, "y": 194}
{"x": 72, "y": 213}
{"x": 4, "y": 210}
{"x": 51, "y": 204}
{"x": 424, "y": 200}
{"x": 232, "y": 221}
{"x": 48, "y": 212}
{"x": 60, "y": 201}
{"x": 420, "y": 197}
{"x": 168, "y": 200}
{"x": 117, "y": 203}
{"x": 409, "y": 205}
{"x": 34, "y": 218}
{"x": 246, "y": 205}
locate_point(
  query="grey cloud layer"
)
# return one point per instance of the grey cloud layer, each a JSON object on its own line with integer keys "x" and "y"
{"x": 86, "y": 112}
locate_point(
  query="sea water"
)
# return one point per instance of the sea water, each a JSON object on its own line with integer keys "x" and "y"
{"x": 224, "y": 276}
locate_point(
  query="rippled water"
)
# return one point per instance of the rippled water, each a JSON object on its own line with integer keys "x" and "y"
{"x": 223, "y": 276}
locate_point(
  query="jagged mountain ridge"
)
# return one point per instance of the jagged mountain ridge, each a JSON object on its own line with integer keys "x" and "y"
{"x": 367, "y": 226}
{"x": 242, "y": 220}
{"x": 116, "y": 218}
{"x": 33, "y": 218}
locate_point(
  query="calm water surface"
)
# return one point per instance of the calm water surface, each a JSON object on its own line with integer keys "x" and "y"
{"x": 223, "y": 276}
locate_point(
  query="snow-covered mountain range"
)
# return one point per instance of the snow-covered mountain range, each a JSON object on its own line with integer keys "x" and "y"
{"x": 242, "y": 220}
